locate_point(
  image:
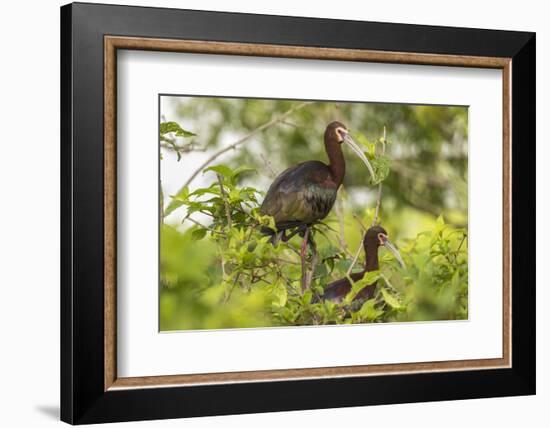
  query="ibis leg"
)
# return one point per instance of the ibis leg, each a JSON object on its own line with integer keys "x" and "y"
{"x": 313, "y": 262}
{"x": 303, "y": 254}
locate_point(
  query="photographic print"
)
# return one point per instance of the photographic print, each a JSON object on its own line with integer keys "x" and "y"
{"x": 279, "y": 213}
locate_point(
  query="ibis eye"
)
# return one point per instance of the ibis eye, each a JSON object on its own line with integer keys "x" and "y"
{"x": 382, "y": 238}
{"x": 341, "y": 133}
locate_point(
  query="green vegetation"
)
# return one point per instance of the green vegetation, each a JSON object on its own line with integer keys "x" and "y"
{"x": 219, "y": 271}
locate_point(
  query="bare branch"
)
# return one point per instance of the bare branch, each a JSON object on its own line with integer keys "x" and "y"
{"x": 356, "y": 217}
{"x": 191, "y": 147}
{"x": 192, "y": 220}
{"x": 314, "y": 260}
{"x": 242, "y": 140}
{"x": 356, "y": 255}
{"x": 267, "y": 163}
{"x": 286, "y": 122}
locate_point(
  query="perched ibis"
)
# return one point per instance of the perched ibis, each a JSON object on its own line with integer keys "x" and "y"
{"x": 375, "y": 237}
{"x": 305, "y": 193}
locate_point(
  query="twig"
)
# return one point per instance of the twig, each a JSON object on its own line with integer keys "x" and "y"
{"x": 346, "y": 250}
{"x": 461, "y": 242}
{"x": 388, "y": 283}
{"x": 285, "y": 261}
{"x": 228, "y": 295}
{"x": 314, "y": 261}
{"x": 379, "y": 196}
{"x": 356, "y": 217}
{"x": 247, "y": 137}
{"x": 272, "y": 173}
{"x": 459, "y": 247}
{"x": 325, "y": 224}
{"x": 192, "y": 147}
{"x": 291, "y": 248}
{"x": 286, "y": 122}
{"x": 356, "y": 255}
{"x": 225, "y": 202}
{"x": 203, "y": 226}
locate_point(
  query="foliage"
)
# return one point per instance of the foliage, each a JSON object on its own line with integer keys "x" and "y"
{"x": 168, "y": 133}
{"x": 219, "y": 270}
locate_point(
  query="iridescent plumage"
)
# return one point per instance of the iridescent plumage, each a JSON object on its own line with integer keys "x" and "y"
{"x": 300, "y": 195}
{"x": 305, "y": 193}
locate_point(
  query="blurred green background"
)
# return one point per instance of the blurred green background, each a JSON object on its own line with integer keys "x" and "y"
{"x": 424, "y": 208}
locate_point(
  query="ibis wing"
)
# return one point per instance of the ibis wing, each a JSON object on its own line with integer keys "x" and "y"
{"x": 337, "y": 290}
{"x": 295, "y": 196}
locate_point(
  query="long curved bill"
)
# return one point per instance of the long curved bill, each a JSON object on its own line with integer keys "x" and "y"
{"x": 395, "y": 252}
{"x": 353, "y": 145}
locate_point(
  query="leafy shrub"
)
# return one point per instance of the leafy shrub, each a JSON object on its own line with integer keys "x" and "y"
{"x": 227, "y": 273}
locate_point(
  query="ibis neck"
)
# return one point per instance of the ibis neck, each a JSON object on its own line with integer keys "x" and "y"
{"x": 337, "y": 164}
{"x": 371, "y": 254}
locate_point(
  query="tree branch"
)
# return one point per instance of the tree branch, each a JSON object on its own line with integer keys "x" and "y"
{"x": 192, "y": 220}
{"x": 247, "y": 137}
{"x": 267, "y": 163}
{"x": 191, "y": 147}
{"x": 314, "y": 260}
{"x": 356, "y": 255}
{"x": 356, "y": 217}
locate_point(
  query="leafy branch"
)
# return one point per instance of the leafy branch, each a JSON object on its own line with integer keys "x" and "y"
{"x": 246, "y": 265}
{"x": 168, "y": 133}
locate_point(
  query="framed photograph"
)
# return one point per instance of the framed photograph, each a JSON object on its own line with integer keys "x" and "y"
{"x": 265, "y": 213}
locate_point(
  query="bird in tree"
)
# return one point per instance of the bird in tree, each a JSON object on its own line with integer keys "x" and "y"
{"x": 375, "y": 238}
{"x": 305, "y": 193}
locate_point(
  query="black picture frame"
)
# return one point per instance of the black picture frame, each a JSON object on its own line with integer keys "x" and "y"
{"x": 83, "y": 398}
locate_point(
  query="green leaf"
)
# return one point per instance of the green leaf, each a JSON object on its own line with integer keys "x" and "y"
{"x": 390, "y": 299}
{"x": 369, "y": 312}
{"x": 214, "y": 190}
{"x": 223, "y": 170}
{"x": 371, "y": 277}
{"x": 329, "y": 251}
{"x": 240, "y": 171}
{"x": 306, "y": 298}
{"x": 357, "y": 286}
{"x": 381, "y": 166}
{"x": 177, "y": 201}
{"x": 362, "y": 140}
{"x": 166, "y": 127}
{"x": 198, "y": 234}
{"x": 280, "y": 293}
{"x": 455, "y": 280}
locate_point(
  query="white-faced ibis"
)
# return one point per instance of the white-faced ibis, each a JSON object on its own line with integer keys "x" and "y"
{"x": 375, "y": 237}
{"x": 305, "y": 193}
